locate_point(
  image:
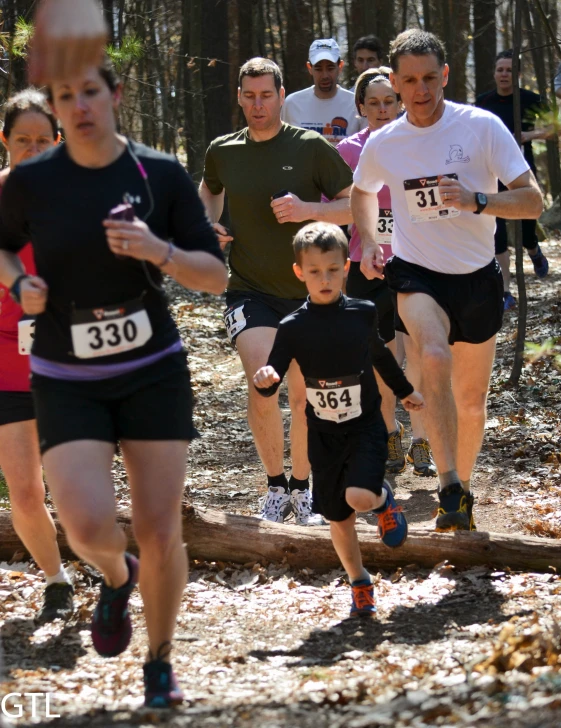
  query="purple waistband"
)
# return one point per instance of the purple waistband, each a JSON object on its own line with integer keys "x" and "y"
{"x": 92, "y": 372}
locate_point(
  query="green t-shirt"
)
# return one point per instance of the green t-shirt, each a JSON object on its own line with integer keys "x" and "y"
{"x": 251, "y": 172}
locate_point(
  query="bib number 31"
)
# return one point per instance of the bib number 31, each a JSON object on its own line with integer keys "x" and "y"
{"x": 112, "y": 330}
{"x": 424, "y": 202}
{"x": 336, "y": 400}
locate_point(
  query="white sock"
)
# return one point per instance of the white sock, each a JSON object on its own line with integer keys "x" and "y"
{"x": 60, "y": 578}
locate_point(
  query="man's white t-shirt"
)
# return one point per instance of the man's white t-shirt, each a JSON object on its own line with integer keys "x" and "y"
{"x": 335, "y": 119}
{"x": 472, "y": 144}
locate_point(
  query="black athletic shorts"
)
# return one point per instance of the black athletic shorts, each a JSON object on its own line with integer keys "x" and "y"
{"x": 351, "y": 459}
{"x": 529, "y": 235}
{"x": 249, "y": 309}
{"x": 377, "y": 291}
{"x": 472, "y": 301}
{"x": 16, "y": 407}
{"x": 151, "y": 403}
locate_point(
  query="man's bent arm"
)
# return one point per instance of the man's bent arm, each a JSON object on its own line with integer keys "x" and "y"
{"x": 364, "y": 208}
{"x": 214, "y": 204}
{"x": 337, "y": 211}
{"x": 522, "y": 201}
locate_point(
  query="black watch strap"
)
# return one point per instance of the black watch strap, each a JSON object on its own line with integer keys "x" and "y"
{"x": 481, "y": 202}
{"x": 16, "y": 285}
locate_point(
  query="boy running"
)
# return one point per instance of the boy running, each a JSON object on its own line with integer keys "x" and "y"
{"x": 335, "y": 341}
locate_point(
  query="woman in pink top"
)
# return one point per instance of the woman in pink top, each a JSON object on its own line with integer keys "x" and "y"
{"x": 30, "y": 128}
{"x": 377, "y": 101}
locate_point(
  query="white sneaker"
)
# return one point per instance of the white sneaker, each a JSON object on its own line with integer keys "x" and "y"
{"x": 276, "y": 505}
{"x": 301, "y": 502}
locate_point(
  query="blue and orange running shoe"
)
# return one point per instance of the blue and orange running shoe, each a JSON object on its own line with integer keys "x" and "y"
{"x": 364, "y": 601}
{"x": 111, "y": 622}
{"x": 392, "y": 524}
{"x": 160, "y": 685}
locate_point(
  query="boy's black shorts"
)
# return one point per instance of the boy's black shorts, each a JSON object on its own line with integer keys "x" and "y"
{"x": 151, "y": 403}
{"x": 472, "y": 301}
{"x": 341, "y": 460}
{"x": 249, "y": 309}
{"x": 377, "y": 291}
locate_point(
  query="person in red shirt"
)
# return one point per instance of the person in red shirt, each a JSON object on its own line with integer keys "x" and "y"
{"x": 29, "y": 129}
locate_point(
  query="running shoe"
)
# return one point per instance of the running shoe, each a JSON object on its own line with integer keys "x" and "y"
{"x": 160, "y": 684}
{"x": 363, "y": 598}
{"x": 420, "y": 456}
{"x": 455, "y": 510}
{"x": 396, "y": 459}
{"x": 540, "y": 263}
{"x": 57, "y": 603}
{"x": 392, "y": 524}
{"x": 111, "y": 622}
{"x": 509, "y": 302}
{"x": 301, "y": 502}
{"x": 276, "y": 505}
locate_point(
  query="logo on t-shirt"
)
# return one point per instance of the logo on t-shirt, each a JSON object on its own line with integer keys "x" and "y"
{"x": 456, "y": 154}
{"x": 337, "y": 127}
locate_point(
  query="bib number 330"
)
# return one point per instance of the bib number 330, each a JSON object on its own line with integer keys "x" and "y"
{"x": 110, "y": 330}
{"x": 336, "y": 400}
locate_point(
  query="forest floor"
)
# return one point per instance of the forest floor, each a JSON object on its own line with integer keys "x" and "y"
{"x": 265, "y": 646}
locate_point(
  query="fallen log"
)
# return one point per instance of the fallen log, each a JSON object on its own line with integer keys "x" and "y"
{"x": 212, "y": 535}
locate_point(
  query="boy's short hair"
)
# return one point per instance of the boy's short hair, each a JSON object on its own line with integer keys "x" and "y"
{"x": 323, "y": 235}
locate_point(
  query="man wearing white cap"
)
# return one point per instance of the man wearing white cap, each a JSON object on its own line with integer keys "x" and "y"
{"x": 324, "y": 107}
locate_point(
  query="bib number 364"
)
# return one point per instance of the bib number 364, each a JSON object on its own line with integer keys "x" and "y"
{"x": 110, "y": 330}
{"x": 336, "y": 400}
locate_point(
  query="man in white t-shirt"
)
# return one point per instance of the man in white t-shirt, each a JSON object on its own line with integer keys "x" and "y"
{"x": 441, "y": 161}
{"x": 324, "y": 107}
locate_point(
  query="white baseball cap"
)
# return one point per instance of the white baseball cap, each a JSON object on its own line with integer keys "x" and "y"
{"x": 324, "y": 49}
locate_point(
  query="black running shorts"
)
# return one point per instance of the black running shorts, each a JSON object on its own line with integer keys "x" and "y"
{"x": 249, "y": 309}
{"x": 472, "y": 301}
{"x": 151, "y": 403}
{"x": 377, "y": 291}
{"x": 16, "y": 407}
{"x": 352, "y": 459}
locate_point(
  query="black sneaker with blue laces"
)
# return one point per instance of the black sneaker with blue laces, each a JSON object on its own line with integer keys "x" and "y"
{"x": 540, "y": 263}
{"x": 160, "y": 685}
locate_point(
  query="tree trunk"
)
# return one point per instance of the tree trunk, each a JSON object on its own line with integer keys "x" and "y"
{"x": 298, "y": 38}
{"x": 212, "y": 535}
{"x": 215, "y": 73}
{"x": 484, "y": 45}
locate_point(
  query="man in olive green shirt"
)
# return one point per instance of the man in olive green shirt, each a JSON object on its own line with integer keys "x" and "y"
{"x": 274, "y": 175}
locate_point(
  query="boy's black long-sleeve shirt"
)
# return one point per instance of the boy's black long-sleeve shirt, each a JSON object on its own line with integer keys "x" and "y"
{"x": 336, "y": 345}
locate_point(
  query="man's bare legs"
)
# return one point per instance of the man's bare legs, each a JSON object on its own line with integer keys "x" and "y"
{"x": 263, "y": 413}
{"x": 471, "y": 372}
{"x": 428, "y": 328}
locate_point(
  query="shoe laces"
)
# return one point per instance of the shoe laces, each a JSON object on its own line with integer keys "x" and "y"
{"x": 363, "y": 596}
{"x": 302, "y": 502}
{"x": 421, "y": 453}
{"x": 394, "y": 446}
{"x": 387, "y": 520}
{"x": 113, "y": 606}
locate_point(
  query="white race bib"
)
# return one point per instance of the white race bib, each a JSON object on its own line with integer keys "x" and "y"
{"x": 110, "y": 330}
{"x": 336, "y": 400}
{"x": 235, "y": 321}
{"x": 424, "y": 201}
{"x": 385, "y": 227}
{"x": 26, "y": 334}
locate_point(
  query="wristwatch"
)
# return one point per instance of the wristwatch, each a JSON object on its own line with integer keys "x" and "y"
{"x": 15, "y": 292}
{"x": 481, "y": 202}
